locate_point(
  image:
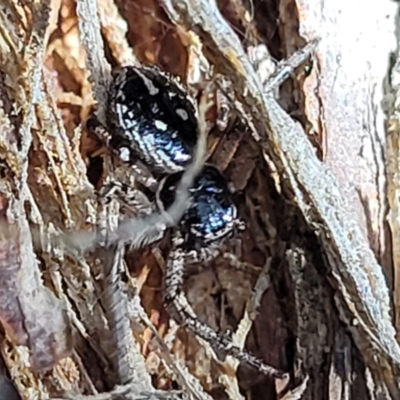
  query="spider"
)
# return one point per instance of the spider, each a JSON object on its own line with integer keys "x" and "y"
{"x": 151, "y": 118}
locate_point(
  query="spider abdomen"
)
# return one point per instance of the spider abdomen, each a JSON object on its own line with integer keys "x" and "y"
{"x": 151, "y": 115}
{"x": 211, "y": 216}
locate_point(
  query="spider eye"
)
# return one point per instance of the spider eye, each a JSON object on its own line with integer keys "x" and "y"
{"x": 152, "y": 114}
{"x": 212, "y": 214}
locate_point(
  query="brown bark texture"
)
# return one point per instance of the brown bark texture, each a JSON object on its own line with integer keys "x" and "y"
{"x": 311, "y": 285}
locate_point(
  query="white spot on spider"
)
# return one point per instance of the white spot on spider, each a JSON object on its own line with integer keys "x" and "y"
{"x": 171, "y": 95}
{"x": 227, "y": 218}
{"x": 160, "y": 125}
{"x": 155, "y": 109}
{"x": 180, "y": 156}
{"x": 124, "y": 153}
{"x": 182, "y": 113}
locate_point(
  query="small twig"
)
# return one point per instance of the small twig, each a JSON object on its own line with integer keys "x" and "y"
{"x": 252, "y": 306}
{"x": 33, "y": 62}
{"x": 100, "y": 69}
{"x": 243, "y": 329}
{"x": 287, "y": 67}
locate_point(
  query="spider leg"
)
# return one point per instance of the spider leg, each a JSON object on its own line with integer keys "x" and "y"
{"x": 131, "y": 198}
{"x": 177, "y": 305}
{"x": 136, "y": 208}
{"x": 142, "y": 224}
{"x": 139, "y": 171}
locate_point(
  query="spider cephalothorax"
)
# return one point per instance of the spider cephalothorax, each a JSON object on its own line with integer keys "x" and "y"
{"x": 211, "y": 216}
{"x": 152, "y": 117}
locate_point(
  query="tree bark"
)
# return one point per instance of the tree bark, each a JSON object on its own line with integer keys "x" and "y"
{"x": 311, "y": 286}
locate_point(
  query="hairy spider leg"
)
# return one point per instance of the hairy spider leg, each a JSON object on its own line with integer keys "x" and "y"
{"x": 179, "y": 308}
{"x": 124, "y": 154}
{"x": 130, "y": 197}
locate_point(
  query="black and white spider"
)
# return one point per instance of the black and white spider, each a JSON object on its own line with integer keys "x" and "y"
{"x": 152, "y": 118}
